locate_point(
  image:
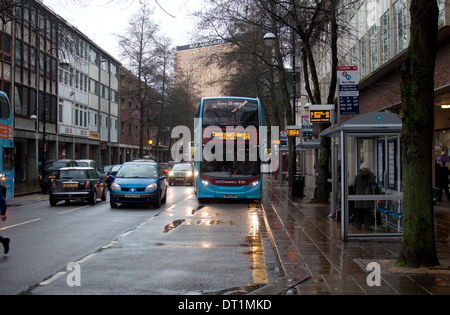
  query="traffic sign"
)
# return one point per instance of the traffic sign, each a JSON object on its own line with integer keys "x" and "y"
{"x": 348, "y": 91}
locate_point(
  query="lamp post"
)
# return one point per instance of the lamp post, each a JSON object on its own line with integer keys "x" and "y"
{"x": 269, "y": 41}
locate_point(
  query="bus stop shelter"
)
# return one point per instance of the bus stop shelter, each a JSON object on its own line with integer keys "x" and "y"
{"x": 373, "y": 138}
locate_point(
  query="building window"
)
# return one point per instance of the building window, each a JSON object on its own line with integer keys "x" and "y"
{"x": 105, "y": 65}
{"x": 94, "y": 87}
{"x": 385, "y": 37}
{"x": 373, "y": 55}
{"x": 362, "y": 60}
{"x": 441, "y": 5}
{"x": 60, "y": 110}
{"x": 114, "y": 96}
{"x": 80, "y": 115}
{"x": 400, "y": 29}
{"x": 94, "y": 57}
{"x": 105, "y": 92}
{"x": 353, "y": 56}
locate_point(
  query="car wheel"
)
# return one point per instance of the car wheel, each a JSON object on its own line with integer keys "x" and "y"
{"x": 113, "y": 204}
{"x": 93, "y": 199}
{"x": 104, "y": 194}
{"x": 157, "y": 203}
{"x": 52, "y": 201}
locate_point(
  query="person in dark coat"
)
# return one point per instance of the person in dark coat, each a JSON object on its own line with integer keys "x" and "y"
{"x": 4, "y": 241}
{"x": 364, "y": 185}
{"x": 442, "y": 173}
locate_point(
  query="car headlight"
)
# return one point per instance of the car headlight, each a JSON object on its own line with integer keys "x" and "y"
{"x": 171, "y": 173}
{"x": 189, "y": 174}
{"x": 151, "y": 187}
{"x": 115, "y": 186}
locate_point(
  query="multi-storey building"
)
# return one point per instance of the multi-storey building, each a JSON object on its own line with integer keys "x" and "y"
{"x": 375, "y": 38}
{"x": 197, "y": 64}
{"x": 63, "y": 87}
{"x": 88, "y": 99}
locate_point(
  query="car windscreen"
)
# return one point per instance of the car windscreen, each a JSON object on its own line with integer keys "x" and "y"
{"x": 115, "y": 168}
{"x": 73, "y": 174}
{"x": 55, "y": 165}
{"x": 137, "y": 171}
{"x": 182, "y": 167}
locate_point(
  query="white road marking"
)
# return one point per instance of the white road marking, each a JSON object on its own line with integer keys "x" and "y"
{"x": 19, "y": 224}
{"x": 67, "y": 211}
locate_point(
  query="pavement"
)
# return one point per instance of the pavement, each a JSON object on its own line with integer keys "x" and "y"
{"x": 314, "y": 260}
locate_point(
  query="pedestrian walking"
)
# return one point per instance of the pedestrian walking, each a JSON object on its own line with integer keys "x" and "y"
{"x": 364, "y": 185}
{"x": 4, "y": 241}
{"x": 442, "y": 180}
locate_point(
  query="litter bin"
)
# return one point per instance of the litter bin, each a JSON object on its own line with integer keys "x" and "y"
{"x": 298, "y": 185}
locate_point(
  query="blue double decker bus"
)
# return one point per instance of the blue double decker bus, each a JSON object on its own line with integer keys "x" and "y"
{"x": 7, "y": 146}
{"x": 228, "y": 148}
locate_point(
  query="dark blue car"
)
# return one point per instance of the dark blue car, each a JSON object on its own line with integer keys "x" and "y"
{"x": 138, "y": 183}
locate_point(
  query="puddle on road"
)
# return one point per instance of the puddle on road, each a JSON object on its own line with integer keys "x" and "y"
{"x": 172, "y": 225}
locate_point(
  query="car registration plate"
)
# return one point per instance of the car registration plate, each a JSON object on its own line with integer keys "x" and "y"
{"x": 229, "y": 196}
{"x": 132, "y": 196}
{"x": 70, "y": 185}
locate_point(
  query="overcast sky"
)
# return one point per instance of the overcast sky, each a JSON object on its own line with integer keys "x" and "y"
{"x": 101, "y": 19}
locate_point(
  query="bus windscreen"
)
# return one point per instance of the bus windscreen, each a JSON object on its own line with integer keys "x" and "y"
{"x": 234, "y": 112}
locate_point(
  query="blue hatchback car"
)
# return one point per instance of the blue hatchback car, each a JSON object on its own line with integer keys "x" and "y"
{"x": 138, "y": 183}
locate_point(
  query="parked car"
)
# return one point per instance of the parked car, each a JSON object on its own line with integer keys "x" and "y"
{"x": 73, "y": 183}
{"x": 48, "y": 173}
{"x": 93, "y": 164}
{"x": 138, "y": 183}
{"x": 181, "y": 174}
{"x": 111, "y": 172}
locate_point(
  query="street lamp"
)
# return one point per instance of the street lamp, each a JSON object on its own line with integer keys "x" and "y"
{"x": 269, "y": 39}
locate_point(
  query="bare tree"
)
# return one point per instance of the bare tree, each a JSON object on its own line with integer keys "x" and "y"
{"x": 137, "y": 48}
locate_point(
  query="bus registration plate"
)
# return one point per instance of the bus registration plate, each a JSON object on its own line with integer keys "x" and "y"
{"x": 229, "y": 196}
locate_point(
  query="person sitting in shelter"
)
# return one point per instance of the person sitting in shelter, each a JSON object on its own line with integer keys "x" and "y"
{"x": 364, "y": 185}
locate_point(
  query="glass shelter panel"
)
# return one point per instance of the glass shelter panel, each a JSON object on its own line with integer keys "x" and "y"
{"x": 373, "y": 204}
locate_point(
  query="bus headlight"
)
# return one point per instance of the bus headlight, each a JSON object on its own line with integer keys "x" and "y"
{"x": 255, "y": 183}
{"x": 206, "y": 183}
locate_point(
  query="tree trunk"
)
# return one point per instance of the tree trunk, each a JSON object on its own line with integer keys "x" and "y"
{"x": 417, "y": 84}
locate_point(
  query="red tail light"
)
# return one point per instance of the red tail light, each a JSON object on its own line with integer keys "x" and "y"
{"x": 88, "y": 185}
{"x": 53, "y": 185}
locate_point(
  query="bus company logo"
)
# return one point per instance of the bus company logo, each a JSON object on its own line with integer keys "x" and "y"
{"x": 346, "y": 75}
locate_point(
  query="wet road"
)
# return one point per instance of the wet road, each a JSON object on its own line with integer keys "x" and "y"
{"x": 181, "y": 248}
